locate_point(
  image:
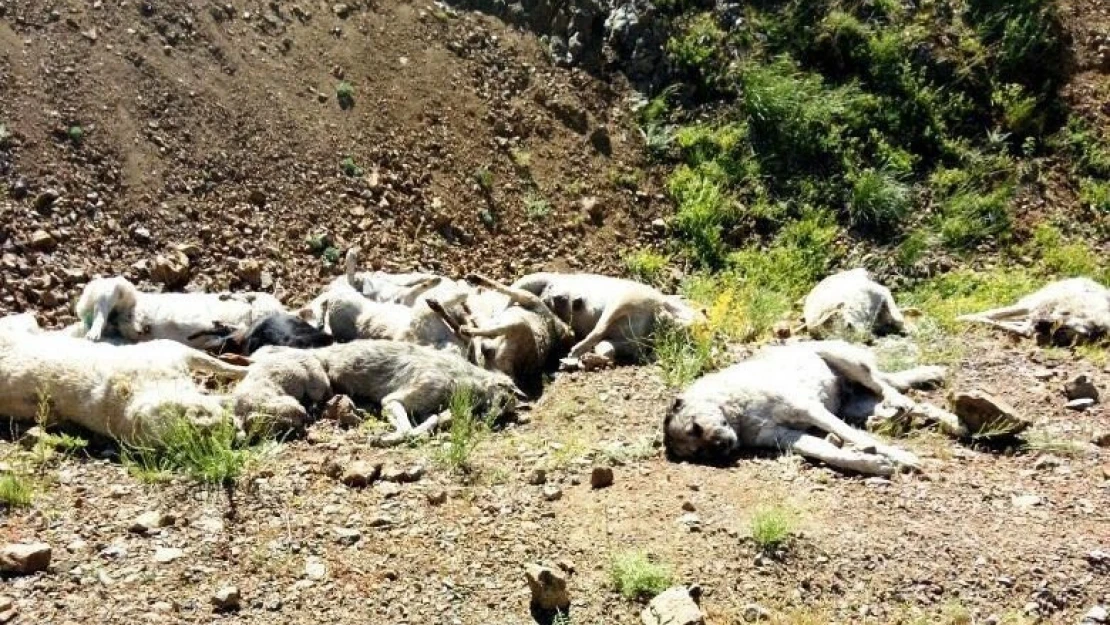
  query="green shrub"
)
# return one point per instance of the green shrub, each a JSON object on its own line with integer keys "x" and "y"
{"x": 635, "y": 576}
{"x": 484, "y": 177}
{"x": 971, "y": 217}
{"x": 771, "y": 526}
{"x": 1095, "y": 194}
{"x": 350, "y": 168}
{"x": 684, "y": 354}
{"x": 345, "y": 95}
{"x": 879, "y": 202}
{"x": 16, "y": 491}
{"x": 536, "y": 207}
{"x": 467, "y": 431}
{"x": 703, "y": 212}
{"x": 647, "y": 266}
{"x": 76, "y": 134}
{"x": 696, "y": 46}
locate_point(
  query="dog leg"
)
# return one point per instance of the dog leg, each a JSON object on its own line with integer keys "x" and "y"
{"x": 520, "y": 297}
{"x": 199, "y": 361}
{"x": 608, "y": 321}
{"x": 1023, "y": 328}
{"x": 814, "y": 448}
{"x": 817, "y": 416}
{"x": 889, "y": 314}
{"x": 393, "y": 407}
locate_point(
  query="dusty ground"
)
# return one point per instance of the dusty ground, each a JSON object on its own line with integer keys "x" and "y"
{"x": 962, "y": 536}
{"x": 204, "y": 126}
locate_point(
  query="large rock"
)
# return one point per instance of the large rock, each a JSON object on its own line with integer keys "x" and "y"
{"x": 1081, "y": 387}
{"x": 601, "y": 477}
{"x": 548, "y": 586}
{"x": 171, "y": 269}
{"x": 985, "y": 415}
{"x": 361, "y": 473}
{"x": 226, "y": 598}
{"x": 674, "y": 606}
{"x": 25, "y": 558}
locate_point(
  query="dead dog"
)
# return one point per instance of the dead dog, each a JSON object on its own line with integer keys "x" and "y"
{"x": 849, "y": 304}
{"x": 1062, "y": 313}
{"x": 773, "y": 399}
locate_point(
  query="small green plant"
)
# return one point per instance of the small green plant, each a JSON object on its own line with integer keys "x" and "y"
{"x": 318, "y": 242}
{"x": 350, "y": 168}
{"x": 1044, "y": 442}
{"x": 647, "y": 266}
{"x": 879, "y": 202}
{"x": 211, "y": 454}
{"x": 771, "y": 526}
{"x": 468, "y": 428}
{"x": 484, "y": 177}
{"x": 625, "y": 178}
{"x": 521, "y": 158}
{"x": 658, "y": 139}
{"x": 76, "y": 134}
{"x": 636, "y": 577}
{"x": 684, "y": 354}
{"x": 332, "y": 255}
{"x": 1095, "y": 195}
{"x": 488, "y": 219}
{"x": 536, "y": 207}
{"x": 16, "y": 491}
{"x": 911, "y": 249}
{"x": 345, "y": 95}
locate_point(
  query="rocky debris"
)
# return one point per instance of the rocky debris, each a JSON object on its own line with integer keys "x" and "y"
{"x": 1081, "y": 387}
{"x": 8, "y": 609}
{"x": 548, "y": 586}
{"x": 32, "y": 438}
{"x": 985, "y": 415}
{"x": 691, "y": 521}
{"x": 226, "y": 598}
{"x": 406, "y": 475}
{"x": 315, "y": 569}
{"x": 171, "y": 269}
{"x": 601, "y": 477}
{"x": 1098, "y": 557}
{"x": 149, "y": 522}
{"x": 437, "y": 497}
{"x": 552, "y": 493}
{"x": 341, "y": 409}
{"x": 675, "y": 606}
{"x": 388, "y": 490}
{"x": 249, "y": 272}
{"x": 537, "y": 477}
{"x": 346, "y": 535}
{"x": 361, "y": 473}
{"x": 1080, "y": 405}
{"x": 1026, "y": 501}
{"x": 25, "y": 558}
{"x": 754, "y": 613}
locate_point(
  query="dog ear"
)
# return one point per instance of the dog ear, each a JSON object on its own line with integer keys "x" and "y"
{"x": 676, "y": 405}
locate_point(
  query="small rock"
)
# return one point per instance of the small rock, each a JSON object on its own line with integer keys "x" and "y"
{"x": 1101, "y": 439}
{"x": 226, "y": 598}
{"x": 388, "y": 490}
{"x": 601, "y": 477}
{"x": 593, "y": 209}
{"x": 659, "y": 226}
{"x": 1080, "y": 405}
{"x": 1044, "y": 374}
{"x": 381, "y": 520}
{"x": 171, "y": 269}
{"x": 783, "y": 330}
{"x": 538, "y": 477}
{"x": 249, "y": 272}
{"x": 548, "y": 586}
{"x": 691, "y": 521}
{"x": 437, "y": 497}
{"x": 148, "y": 522}
{"x": 1026, "y": 501}
{"x": 314, "y": 568}
{"x": 753, "y": 613}
{"x": 361, "y": 473}
{"x": 552, "y": 493}
{"x": 674, "y": 606}
{"x": 342, "y": 409}
{"x": 985, "y": 415}
{"x": 46, "y": 199}
{"x": 25, "y": 558}
{"x": 32, "y": 438}
{"x": 164, "y": 555}
{"x": 43, "y": 241}
{"x": 1098, "y": 557}
{"x": 141, "y": 235}
{"x": 257, "y": 197}
{"x": 341, "y": 10}
{"x": 1097, "y": 614}
{"x": 1081, "y": 387}
{"x": 346, "y": 535}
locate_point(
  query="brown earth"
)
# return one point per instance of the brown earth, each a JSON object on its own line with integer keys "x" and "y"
{"x": 204, "y": 127}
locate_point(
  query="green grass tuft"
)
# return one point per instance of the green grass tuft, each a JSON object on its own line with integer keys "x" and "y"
{"x": 210, "y": 455}
{"x": 771, "y": 526}
{"x": 637, "y": 577}
{"x": 468, "y": 429}
{"x": 16, "y": 491}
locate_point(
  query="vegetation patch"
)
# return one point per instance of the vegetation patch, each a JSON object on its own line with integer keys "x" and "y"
{"x": 635, "y": 576}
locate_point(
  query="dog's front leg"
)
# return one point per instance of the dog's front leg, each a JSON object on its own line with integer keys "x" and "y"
{"x": 814, "y": 448}
{"x": 816, "y": 415}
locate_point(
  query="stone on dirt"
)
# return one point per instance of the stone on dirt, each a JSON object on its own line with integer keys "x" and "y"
{"x": 674, "y": 606}
{"x": 226, "y": 598}
{"x": 601, "y": 477}
{"x": 1080, "y": 405}
{"x": 1081, "y": 387}
{"x": 985, "y": 415}
{"x": 25, "y": 558}
{"x": 171, "y": 269}
{"x": 548, "y": 586}
{"x": 341, "y": 409}
{"x": 150, "y": 521}
{"x": 361, "y": 473}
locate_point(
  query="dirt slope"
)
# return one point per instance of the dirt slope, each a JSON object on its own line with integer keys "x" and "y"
{"x": 218, "y": 125}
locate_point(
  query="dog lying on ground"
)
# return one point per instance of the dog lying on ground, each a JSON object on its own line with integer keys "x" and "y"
{"x": 130, "y": 392}
{"x": 773, "y": 399}
{"x": 281, "y": 386}
{"x": 351, "y": 317}
{"x": 408, "y": 381}
{"x": 1063, "y": 312}
{"x": 280, "y": 329}
{"x": 611, "y": 317}
{"x": 113, "y": 306}
{"x": 850, "y": 303}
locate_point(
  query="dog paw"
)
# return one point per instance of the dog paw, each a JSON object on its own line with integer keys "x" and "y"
{"x": 569, "y": 364}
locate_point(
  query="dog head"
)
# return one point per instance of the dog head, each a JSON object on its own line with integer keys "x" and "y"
{"x": 102, "y": 299}
{"x": 698, "y": 431}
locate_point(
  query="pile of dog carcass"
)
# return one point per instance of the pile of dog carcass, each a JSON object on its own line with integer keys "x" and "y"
{"x": 407, "y": 342}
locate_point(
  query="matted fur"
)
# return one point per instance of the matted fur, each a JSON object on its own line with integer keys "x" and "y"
{"x": 850, "y": 303}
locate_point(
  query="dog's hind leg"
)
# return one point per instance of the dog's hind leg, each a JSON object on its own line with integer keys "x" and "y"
{"x": 520, "y": 297}
{"x": 814, "y": 448}
{"x": 393, "y": 406}
{"x": 817, "y": 416}
{"x": 609, "y": 319}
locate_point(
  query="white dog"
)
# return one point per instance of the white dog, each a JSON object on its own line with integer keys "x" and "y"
{"x": 773, "y": 399}
{"x": 1063, "y": 311}
{"x": 114, "y": 306}
{"x": 851, "y": 303}
{"x": 127, "y": 392}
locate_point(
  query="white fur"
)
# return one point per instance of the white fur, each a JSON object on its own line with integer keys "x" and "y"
{"x": 126, "y": 392}
{"x": 351, "y": 316}
{"x": 24, "y": 323}
{"x": 1077, "y": 308}
{"x": 774, "y": 398}
{"x": 851, "y": 303}
{"x": 114, "y": 306}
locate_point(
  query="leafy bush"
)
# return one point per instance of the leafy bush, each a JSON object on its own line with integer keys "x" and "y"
{"x": 646, "y": 266}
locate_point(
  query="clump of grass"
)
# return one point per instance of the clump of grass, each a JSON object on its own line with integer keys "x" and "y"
{"x": 332, "y": 255}
{"x": 625, "y": 178}
{"x": 771, "y": 526}
{"x": 658, "y": 139}
{"x": 684, "y": 354}
{"x": 318, "y": 242}
{"x": 211, "y": 455}
{"x": 350, "y": 168}
{"x": 647, "y": 266}
{"x": 521, "y": 158}
{"x": 468, "y": 428}
{"x": 1044, "y": 442}
{"x": 345, "y": 95}
{"x": 484, "y": 177}
{"x": 879, "y": 201}
{"x": 76, "y": 134}
{"x": 964, "y": 291}
{"x": 635, "y": 576}
{"x": 16, "y": 491}
{"x": 536, "y": 207}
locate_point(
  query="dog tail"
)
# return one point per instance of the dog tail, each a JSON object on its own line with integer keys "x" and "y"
{"x": 199, "y": 361}
{"x": 918, "y": 377}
